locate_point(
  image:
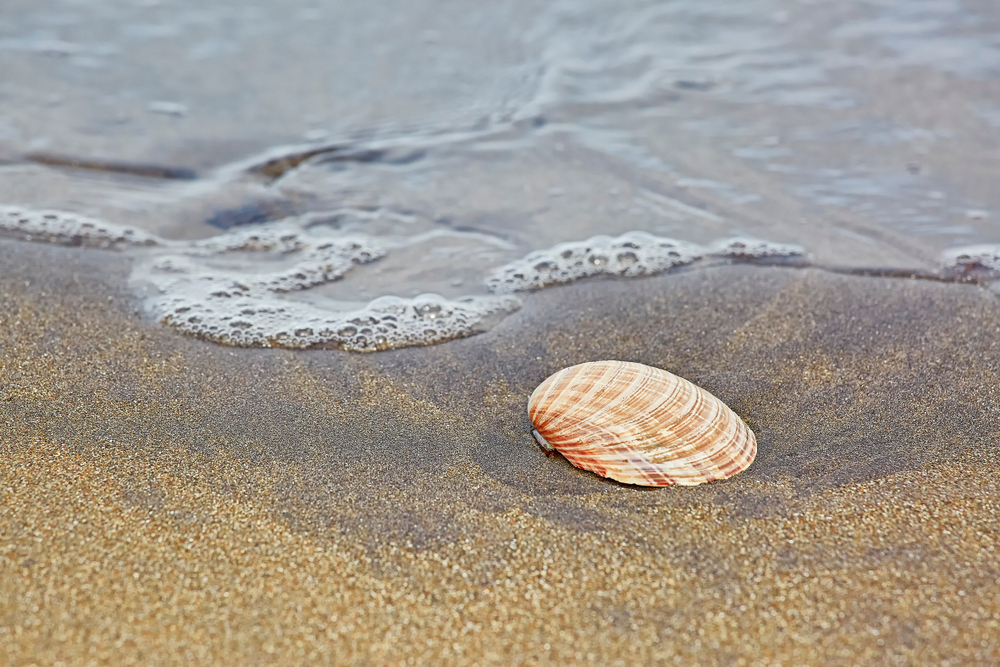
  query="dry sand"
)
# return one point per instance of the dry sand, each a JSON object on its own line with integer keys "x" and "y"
{"x": 165, "y": 500}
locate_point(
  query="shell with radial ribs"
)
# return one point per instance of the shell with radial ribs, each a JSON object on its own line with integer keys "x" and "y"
{"x": 639, "y": 425}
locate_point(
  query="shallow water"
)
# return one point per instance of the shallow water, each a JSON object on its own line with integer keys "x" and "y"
{"x": 448, "y": 141}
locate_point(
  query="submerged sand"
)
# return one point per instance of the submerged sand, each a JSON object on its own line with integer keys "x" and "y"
{"x": 164, "y": 500}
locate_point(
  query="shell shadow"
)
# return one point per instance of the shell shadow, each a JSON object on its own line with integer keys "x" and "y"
{"x": 519, "y": 463}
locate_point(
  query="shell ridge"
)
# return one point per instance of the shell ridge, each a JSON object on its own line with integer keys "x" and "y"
{"x": 584, "y": 425}
{"x": 739, "y": 443}
{"x": 681, "y": 431}
{"x": 707, "y": 418}
{"x": 536, "y": 406}
{"x": 697, "y": 425}
{"x": 612, "y": 392}
{"x": 635, "y": 387}
{"x": 561, "y": 407}
{"x": 647, "y": 380}
{"x": 653, "y": 416}
{"x": 674, "y": 432}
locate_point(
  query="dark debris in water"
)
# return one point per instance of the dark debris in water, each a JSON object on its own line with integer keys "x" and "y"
{"x": 690, "y": 84}
{"x": 277, "y": 167}
{"x": 250, "y": 214}
{"x": 113, "y": 166}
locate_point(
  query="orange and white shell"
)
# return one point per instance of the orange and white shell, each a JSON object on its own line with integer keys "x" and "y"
{"x": 639, "y": 425}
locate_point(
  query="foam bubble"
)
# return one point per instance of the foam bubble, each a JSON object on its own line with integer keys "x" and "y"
{"x": 69, "y": 229}
{"x": 308, "y": 259}
{"x": 748, "y": 249}
{"x": 630, "y": 255}
{"x": 258, "y": 320}
{"x": 282, "y": 236}
{"x": 972, "y": 259}
{"x": 203, "y": 290}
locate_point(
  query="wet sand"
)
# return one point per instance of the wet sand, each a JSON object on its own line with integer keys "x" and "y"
{"x": 166, "y": 500}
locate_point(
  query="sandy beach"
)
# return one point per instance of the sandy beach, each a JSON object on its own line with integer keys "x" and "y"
{"x": 166, "y": 500}
{"x": 276, "y": 173}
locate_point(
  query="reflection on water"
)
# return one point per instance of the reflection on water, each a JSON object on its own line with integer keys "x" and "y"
{"x": 458, "y": 140}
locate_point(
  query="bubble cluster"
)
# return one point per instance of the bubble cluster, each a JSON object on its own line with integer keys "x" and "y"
{"x": 243, "y": 306}
{"x": 282, "y": 237}
{"x": 747, "y": 249}
{"x": 256, "y": 320}
{"x": 305, "y": 259}
{"x": 69, "y": 229}
{"x": 630, "y": 255}
{"x": 975, "y": 259}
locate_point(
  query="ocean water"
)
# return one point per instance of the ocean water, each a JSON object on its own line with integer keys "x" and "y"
{"x": 374, "y": 175}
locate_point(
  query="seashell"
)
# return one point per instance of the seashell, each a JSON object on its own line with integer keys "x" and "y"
{"x": 639, "y": 425}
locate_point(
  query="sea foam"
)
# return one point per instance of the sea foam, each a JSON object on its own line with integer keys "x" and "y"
{"x": 69, "y": 229}
{"x": 972, "y": 259}
{"x": 630, "y": 255}
{"x": 223, "y": 289}
{"x": 744, "y": 248}
{"x": 258, "y": 320}
{"x": 249, "y": 287}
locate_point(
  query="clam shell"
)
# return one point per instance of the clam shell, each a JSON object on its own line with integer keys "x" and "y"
{"x": 639, "y": 425}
